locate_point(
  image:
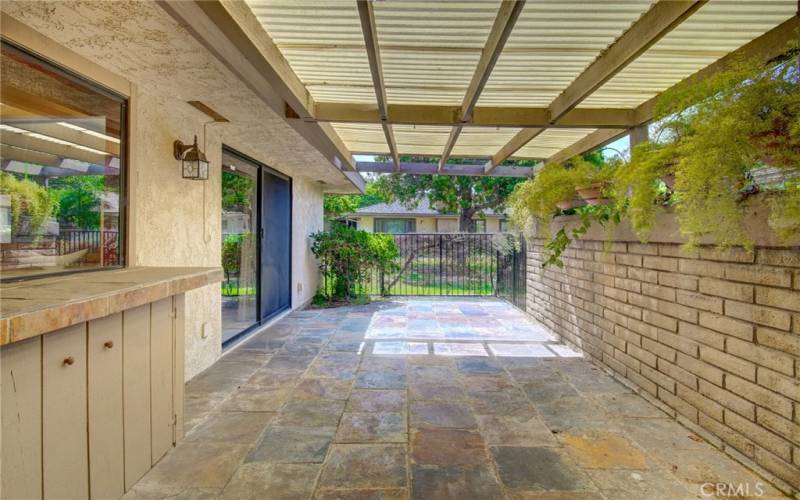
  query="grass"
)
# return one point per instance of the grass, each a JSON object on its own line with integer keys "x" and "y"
{"x": 234, "y": 291}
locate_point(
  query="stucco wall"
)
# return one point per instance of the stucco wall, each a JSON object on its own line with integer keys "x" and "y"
{"x": 307, "y": 217}
{"x": 176, "y": 222}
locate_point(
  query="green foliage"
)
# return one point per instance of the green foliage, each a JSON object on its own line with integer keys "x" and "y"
{"x": 721, "y": 129}
{"x": 237, "y": 191}
{"x": 336, "y": 205}
{"x": 784, "y": 216}
{"x": 78, "y": 199}
{"x": 233, "y": 245}
{"x": 598, "y": 214}
{"x": 27, "y": 198}
{"x": 535, "y": 199}
{"x": 638, "y": 189}
{"x": 347, "y": 256}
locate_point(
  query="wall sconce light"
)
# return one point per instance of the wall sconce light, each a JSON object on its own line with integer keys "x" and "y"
{"x": 193, "y": 161}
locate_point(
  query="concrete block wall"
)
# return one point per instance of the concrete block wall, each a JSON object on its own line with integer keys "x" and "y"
{"x": 714, "y": 337}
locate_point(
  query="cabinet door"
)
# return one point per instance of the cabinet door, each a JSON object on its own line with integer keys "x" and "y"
{"x": 161, "y": 380}
{"x": 178, "y": 373}
{"x": 21, "y": 377}
{"x": 136, "y": 392}
{"x": 65, "y": 465}
{"x": 106, "y": 464}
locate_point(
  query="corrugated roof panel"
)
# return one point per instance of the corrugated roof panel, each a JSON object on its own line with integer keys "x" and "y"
{"x": 362, "y": 137}
{"x": 551, "y": 141}
{"x": 717, "y": 28}
{"x": 430, "y": 49}
{"x": 482, "y": 141}
{"x": 552, "y": 43}
{"x": 324, "y": 45}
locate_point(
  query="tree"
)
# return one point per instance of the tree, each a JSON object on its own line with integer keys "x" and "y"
{"x": 336, "y": 205}
{"x": 466, "y": 196}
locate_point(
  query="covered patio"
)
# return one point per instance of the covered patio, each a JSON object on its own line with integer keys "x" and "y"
{"x": 635, "y": 369}
{"x": 427, "y": 398}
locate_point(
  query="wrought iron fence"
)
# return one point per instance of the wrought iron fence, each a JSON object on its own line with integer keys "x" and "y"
{"x": 512, "y": 274}
{"x": 457, "y": 264}
{"x": 74, "y": 240}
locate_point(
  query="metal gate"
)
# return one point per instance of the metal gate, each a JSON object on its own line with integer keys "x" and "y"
{"x": 453, "y": 264}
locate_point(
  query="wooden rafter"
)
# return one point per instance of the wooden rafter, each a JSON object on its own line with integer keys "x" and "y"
{"x": 230, "y": 31}
{"x": 507, "y": 16}
{"x": 659, "y": 20}
{"x": 765, "y": 48}
{"x": 368, "y": 27}
{"x": 415, "y": 168}
{"x": 487, "y": 116}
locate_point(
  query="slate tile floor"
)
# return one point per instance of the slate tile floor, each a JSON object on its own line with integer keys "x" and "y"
{"x": 426, "y": 399}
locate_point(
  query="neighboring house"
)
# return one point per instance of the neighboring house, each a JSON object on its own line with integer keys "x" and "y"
{"x": 397, "y": 218}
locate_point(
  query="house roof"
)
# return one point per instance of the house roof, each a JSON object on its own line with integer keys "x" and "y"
{"x": 423, "y": 209}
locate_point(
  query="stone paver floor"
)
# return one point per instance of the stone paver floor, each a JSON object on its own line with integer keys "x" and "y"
{"x": 426, "y": 399}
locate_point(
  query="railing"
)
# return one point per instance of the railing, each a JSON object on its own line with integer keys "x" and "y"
{"x": 457, "y": 264}
{"x": 74, "y": 240}
{"x": 512, "y": 274}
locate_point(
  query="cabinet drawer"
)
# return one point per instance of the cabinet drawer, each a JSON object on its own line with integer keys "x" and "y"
{"x": 106, "y": 466}
{"x": 65, "y": 464}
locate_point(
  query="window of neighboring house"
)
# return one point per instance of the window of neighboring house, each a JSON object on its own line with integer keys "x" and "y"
{"x": 62, "y": 190}
{"x": 479, "y": 226}
{"x": 503, "y": 226}
{"x": 395, "y": 226}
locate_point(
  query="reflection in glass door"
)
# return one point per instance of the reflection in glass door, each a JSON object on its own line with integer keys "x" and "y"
{"x": 239, "y": 246}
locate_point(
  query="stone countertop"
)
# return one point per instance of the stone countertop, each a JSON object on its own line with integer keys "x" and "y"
{"x": 35, "y": 307}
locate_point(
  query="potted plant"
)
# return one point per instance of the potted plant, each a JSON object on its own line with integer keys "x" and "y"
{"x": 593, "y": 180}
{"x": 540, "y": 198}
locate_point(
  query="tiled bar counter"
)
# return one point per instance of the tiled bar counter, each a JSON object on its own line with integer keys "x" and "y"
{"x": 92, "y": 378}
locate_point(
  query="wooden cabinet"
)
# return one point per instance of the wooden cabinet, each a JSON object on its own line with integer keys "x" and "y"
{"x": 89, "y": 409}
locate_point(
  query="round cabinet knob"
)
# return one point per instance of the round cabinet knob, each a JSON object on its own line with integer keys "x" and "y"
{"x": 69, "y": 360}
{"x": 109, "y": 344}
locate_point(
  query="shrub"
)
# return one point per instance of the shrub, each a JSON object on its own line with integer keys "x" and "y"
{"x": 347, "y": 256}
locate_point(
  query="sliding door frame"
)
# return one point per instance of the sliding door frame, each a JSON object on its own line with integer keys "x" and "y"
{"x": 263, "y": 168}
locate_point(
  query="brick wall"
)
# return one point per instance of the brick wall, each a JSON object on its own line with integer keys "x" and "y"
{"x": 714, "y": 337}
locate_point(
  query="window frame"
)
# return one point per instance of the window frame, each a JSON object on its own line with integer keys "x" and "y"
{"x": 407, "y": 220}
{"x": 124, "y": 158}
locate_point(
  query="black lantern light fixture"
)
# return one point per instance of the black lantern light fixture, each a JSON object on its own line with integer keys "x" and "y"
{"x": 193, "y": 161}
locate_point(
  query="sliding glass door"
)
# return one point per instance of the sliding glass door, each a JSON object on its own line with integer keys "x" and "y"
{"x": 239, "y": 247}
{"x": 276, "y": 244}
{"x": 256, "y": 243}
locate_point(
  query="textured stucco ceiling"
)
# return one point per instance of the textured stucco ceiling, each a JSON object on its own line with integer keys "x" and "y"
{"x": 141, "y": 42}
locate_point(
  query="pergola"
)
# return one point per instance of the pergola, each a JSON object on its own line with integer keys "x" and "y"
{"x": 486, "y": 80}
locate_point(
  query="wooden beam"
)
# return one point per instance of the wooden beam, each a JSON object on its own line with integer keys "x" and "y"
{"x": 592, "y": 141}
{"x": 230, "y": 31}
{"x": 489, "y": 116}
{"x": 659, "y": 20}
{"x": 369, "y": 29}
{"x": 421, "y": 168}
{"x": 523, "y": 137}
{"x": 507, "y": 16}
{"x": 448, "y": 146}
